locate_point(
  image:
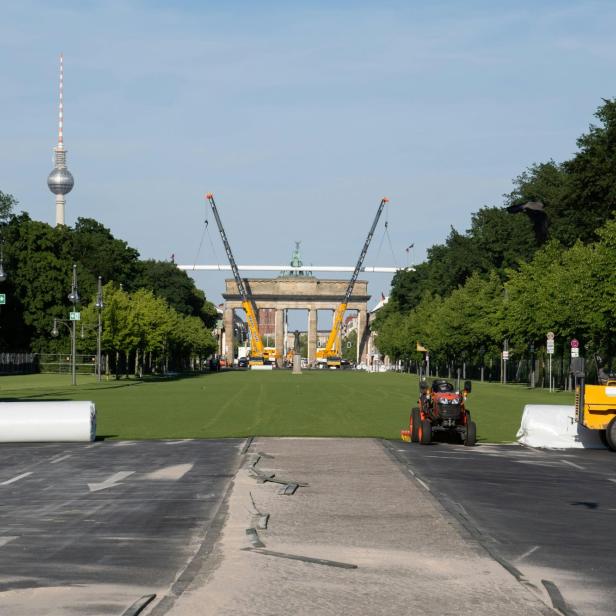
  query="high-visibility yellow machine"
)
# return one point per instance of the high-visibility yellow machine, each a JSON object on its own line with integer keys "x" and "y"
{"x": 330, "y": 355}
{"x": 595, "y": 408}
{"x": 257, "y": 356}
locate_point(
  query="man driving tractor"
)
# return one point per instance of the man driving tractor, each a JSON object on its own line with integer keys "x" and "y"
{"x": 441, "y": 409}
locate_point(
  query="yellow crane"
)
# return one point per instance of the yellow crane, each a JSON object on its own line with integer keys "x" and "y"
{"x": 331, "y": 353}
{"x": 257, "y": 354}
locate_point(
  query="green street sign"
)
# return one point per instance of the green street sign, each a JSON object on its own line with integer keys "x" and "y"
{"x": 75, "y": 316}
{"x": 2, "y": 299}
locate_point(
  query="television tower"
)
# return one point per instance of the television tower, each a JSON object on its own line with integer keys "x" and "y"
{"x": 60, "y": 180}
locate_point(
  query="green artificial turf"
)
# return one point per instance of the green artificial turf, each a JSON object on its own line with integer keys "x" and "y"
{"x": 277, "y": 403}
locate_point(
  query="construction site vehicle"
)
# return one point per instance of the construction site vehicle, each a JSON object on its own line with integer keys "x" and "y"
{"x": 256, "y": 357}
{"x": 595, "y": 409}
{"x": 330, "y": 354}
{"x": 441, "y": 409}
{"x": 270, "y": 355}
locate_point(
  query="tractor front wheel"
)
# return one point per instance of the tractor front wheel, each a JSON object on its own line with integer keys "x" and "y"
{"x": 415, "y": 423}
{"x": 610, "y": 434}
{"x": 425, "y": 432}
{"x": 470, "y": 438}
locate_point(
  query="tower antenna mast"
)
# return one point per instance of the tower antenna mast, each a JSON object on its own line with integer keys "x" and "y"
{"x": 60, "y": 180}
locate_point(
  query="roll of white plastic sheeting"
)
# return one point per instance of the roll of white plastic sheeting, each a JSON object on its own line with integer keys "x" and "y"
{"x": 47, "y": 421}
{"x": 553, "y": 426}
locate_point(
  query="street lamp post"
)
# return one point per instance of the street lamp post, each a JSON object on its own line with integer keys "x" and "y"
{"x": 482, "y": 354}
{"x": 99, "y": 307}
{"x": 2, "y": 272}
{"x": 73, "y": 297}
{"x": 532, "y": 364}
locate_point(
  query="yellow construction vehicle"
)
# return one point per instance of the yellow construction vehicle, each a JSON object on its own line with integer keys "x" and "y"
{"x": 595, "y": 409}
{"x": 330, "y": 355}
{"x": 257, "y": 355}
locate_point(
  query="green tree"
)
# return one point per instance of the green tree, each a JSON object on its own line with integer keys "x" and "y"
{"x": 7, "y": 204}
{"x": 178, "y": 289}
{"x": 591, "y": 194}
{"x": 349, "y": 347}
{"x": 99, "y": 253}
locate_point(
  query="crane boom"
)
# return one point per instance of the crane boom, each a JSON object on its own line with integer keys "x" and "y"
{"x": 331, "y": 352}
{"x": 248, "y": 304}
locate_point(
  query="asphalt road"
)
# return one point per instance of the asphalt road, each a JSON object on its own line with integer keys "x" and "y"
{"x": 88, "y": 528}
{"x": 550, "y": 514}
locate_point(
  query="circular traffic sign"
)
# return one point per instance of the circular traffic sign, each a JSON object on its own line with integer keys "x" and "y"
{"x": 550, "y": 335}
{"x": 575, "y": 344}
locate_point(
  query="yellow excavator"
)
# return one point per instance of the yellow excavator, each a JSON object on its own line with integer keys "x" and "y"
{"x": 330, "y": 355}
{"x": 258, "y": 356}
{"x": 595, "y": 405}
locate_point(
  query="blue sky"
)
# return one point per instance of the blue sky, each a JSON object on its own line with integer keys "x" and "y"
{"x": 299, "y": 116}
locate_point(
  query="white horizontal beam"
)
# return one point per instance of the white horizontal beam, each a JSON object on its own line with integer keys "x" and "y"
{"x": 288, "y": 268}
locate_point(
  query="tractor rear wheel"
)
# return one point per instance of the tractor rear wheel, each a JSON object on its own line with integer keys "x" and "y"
{"x": 425, "y": 432}
{"x": 610, "y": 434}
{"x": 470, "y": 437}
{"x": 414, "y": 427}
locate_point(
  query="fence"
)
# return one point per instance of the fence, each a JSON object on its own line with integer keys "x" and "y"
{"x": 535, "y": 372}
{"x": 61, "y": 363}
{"x": 18, "y": 363}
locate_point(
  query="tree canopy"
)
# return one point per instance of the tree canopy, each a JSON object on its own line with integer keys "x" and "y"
{"x": 507, "y": 278}
{"x": 151, "y": 307}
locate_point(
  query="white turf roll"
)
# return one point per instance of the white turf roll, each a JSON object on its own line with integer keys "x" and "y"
{"x": 553, "y": 426}
{"x": 47, "y": 421}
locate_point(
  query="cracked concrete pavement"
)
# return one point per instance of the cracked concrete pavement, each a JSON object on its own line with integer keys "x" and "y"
{"x": 360, "y": 507}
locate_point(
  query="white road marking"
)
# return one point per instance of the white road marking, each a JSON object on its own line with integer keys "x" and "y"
{"x": 612, "y": 480}
{"x": 5, "y": 540}
{"x": 110, "y": 482}
{"x": 186, "y": 440}
{"x": 423, "y": 483}
{"x": 410, "y": 471}
{"x": 538, "y": 463}
{"x": 169, "y": 473}
{"x": 14, "y": 479}
{"x": 68, "y": 455}
{"x": 573, "y": 464}
{"x": 124, "y": 443}
{"x": 448, "y": 457}
{"x": 526, "y": 554}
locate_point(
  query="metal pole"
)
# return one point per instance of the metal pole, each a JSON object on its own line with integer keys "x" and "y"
{"x": 98, "y": 347}
{"x": 550, "y": 369}
{"x": 73, "y": 353}
{"x": 99, "y": 331}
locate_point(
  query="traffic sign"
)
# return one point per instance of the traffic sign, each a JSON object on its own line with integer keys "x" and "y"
{"x": 2, "y": 299}
{"x": 575, "y": 344}
{"x": 575, "y": 352}
{"x": 75, "y": 316}
{"x": 550, "y": 335}
{"x": 505, "y": 354}
{"x": 550, "y": 347}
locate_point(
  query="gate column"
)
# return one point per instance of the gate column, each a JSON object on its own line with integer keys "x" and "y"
{"x": 228, "y": 325}
{"x": 362, "y": 335}
{"x": 312, "y": 336}
{"x": 279, "y": 335}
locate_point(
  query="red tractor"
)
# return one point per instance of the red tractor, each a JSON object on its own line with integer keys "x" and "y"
{"x": 441, "y": 409}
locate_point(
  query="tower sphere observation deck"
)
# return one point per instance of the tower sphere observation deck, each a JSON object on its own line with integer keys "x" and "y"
{"x": 60, "y": 181}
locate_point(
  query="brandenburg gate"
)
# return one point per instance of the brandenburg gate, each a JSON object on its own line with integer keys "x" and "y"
{"x": 298, "y": 293}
